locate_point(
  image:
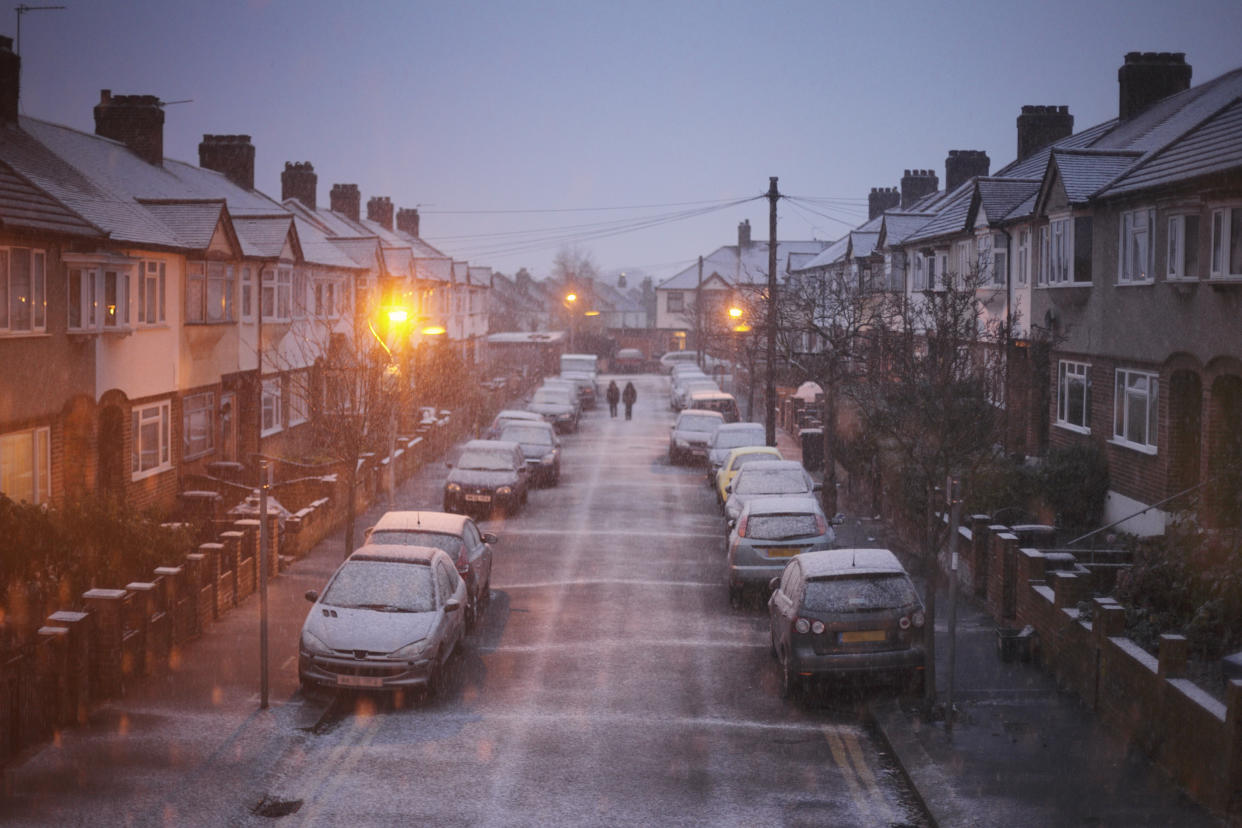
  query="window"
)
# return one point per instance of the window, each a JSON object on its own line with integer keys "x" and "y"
{"x": 23, "y": 290}
{"x": 98, "y": 288}
{"x": 1227, "y": 243}
{"x": 919, "y": 279}
{"x": 25, "y": 465}
{"x": 1183, "y": 247}
{"x": 151, "y": 293}
{"x": 198, "y": 424}
{"x": 676, "y": 301}
{"x": 1022, "y": 265}
{"x": 277, "y": 294}
{"x": 931, "y": 271}
{"x": 1135, "y": 263}
{"x": 1056, "y": 263}
{"x": 298, "y": 287}
{"x": 115, "y": 299}
{"x": 247, "y": 292}
{"x": 209, "y": 292}
{"x": 1135, "y": 409}
{"x": 994, "y": 259}
{"x": 964, "y": 262}
{"x": 1074, "y": 395}
{"x": 299, "y": 397}
{"x": 151, "y": 439}
{"x": 271, "y": 406}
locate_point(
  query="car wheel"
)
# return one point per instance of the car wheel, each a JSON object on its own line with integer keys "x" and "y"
{"x": 789, "y": 680}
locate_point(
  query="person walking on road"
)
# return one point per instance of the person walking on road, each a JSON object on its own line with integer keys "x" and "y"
{"x": 629, "y": 396}
{"x": 614, "y": 397}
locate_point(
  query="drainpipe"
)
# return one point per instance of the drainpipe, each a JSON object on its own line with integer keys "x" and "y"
{"x": 1008, "y": 326}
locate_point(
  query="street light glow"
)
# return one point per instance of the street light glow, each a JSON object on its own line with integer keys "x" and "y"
{"x": 398, "y": 316}
{"x": 591, "y": 313}
{"x": 735, "y": 313}
{"x": 433, "y": 330}
{"x": 572, "y": 297}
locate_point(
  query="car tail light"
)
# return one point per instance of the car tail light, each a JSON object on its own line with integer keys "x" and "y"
{"x": 741, "y": 526}
{"x": 821, "y": 524}
{"x": 904, "y": 623}
{"x": 463, "y": 560}
{"x": 802, "y": 625}
{"x": 918, "y": 618}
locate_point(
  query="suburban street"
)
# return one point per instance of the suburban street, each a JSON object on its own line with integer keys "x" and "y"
{"x": 609, "y": 684}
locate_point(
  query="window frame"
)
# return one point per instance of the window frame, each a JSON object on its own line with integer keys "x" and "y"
{"x": 194, "y": 406}
{"x": 247, "y": 298}
{"x": 1181, "y": 246}
{"x": 1022, "y": 272}
{"x": 40, "y": 473}
{"x": 151, "y": 275}
{"x": 1221, "y": 242}
{"x": 161, "y": 413}
{"x": 270, "y": 413}
{"x": 1069, "y": 372}
{"x": 1056, "y": 261}
{"x": 1136, "y": 227}
{"x": 680, "y": 296}
{"x": 1123, "y": 394}
{"x": 36, "y": 291}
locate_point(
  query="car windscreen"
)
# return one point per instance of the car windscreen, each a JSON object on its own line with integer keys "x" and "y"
{"x": 775, "y": 481}
{"x": 405, "y": 537}
{"x": 486, "y": 460}
{"x": 698, "y": 423}
{"x": 388, "y": 586}
{"x": 527, "y": 434}
{"x": 552, "y": 395}
{"x": 782, "y": 527}
{"x": 860, "y": 593}
{"x": 743, "y": 459}
{"x": 741, "y": 437}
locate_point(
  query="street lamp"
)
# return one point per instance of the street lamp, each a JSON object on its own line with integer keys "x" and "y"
{"x": 397, "y": 317}
{"x": 570, "y": 299}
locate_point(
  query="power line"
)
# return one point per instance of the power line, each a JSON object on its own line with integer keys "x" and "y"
{"x": 576, "y": 209}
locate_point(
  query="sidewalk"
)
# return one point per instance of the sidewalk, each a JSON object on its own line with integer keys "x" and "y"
{"x": 1020, "y": 752}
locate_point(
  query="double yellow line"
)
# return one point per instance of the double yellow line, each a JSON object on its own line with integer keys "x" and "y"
{"x": 847, "y": 752}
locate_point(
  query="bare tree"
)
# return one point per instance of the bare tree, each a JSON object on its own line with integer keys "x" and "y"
{"x": 928, "y": 398}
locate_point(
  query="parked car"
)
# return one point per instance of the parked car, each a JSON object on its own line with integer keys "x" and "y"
{"x": 713, "y": 399}
{"x": 680, "y": 395}
{"x": 588, "y": 363}
{"x": 541, "y": 448}
{"x": 629, "y": 361}
{"x": 458, "y": 535}
{"x": 506, "y": 416}
{"x": 770, "y": 531}
{"x": 728, "y": 437}
{"x": 389, "y": 618}
{"x": 846, "y": 612}
{"x": 558, "y": 404}
{"x": 584, "y": 383}
{"x": 690, "y": 434}
{"x": 673, "y": 358}
{"x": 735, "y": 460}
{"x": 489, "y": 478}
{"x": 766, "y": 477}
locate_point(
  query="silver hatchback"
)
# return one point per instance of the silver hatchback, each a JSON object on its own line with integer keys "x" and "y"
{"x": 770, "y": 531}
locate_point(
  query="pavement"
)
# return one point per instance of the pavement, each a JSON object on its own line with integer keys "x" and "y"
{"x": 1019, "y": 752}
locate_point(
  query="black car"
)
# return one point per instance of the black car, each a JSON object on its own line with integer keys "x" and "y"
{"x": 541, "y": 447}
{"x": 458, "y": 535}
{"x": 489, "y": 478}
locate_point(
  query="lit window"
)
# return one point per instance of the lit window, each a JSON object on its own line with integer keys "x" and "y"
{"x": 1074, "y": 395}
{"x": 25, "y": 465}
{"x": 198, "y": 424}
{"x": 151, "y": 439}
{"x": 1135, "y": 407}
{"x": 23, "y": 290}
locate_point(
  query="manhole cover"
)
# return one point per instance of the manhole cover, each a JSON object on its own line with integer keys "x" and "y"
{"x": 270, "y": 806}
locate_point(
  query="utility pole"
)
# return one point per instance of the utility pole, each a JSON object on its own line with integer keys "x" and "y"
{"x": 769, "y": 427}
{"x": 264, "y": 553}
{"x": 698, "y": 317}
{"x": 954, "y": 490}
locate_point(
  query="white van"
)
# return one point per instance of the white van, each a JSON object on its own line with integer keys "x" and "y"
{"x": 582, "y": 363}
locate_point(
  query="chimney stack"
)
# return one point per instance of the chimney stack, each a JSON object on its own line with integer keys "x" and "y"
{"x": 232, "y": 155}
{"x": 407, "y": 221}
{"x": 917, "y": 183}
{"x": 137, "y": 121}
{"x": 963, "y": 165}
{"x": 743, "y": 234}
{"x": 1040, "y": 126}
{"x": 379, "y": 210}
{"x": 10, "y": 81}
{"x": 881, "y": 199}
{"x": 1147, "y": 77}
{"x": 299, "y": 181}
{"x": 346, "y": 200}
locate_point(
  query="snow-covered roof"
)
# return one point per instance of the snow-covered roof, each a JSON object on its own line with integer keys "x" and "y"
{"x": 745, "y": 265}
{"x": 24, "y": 206}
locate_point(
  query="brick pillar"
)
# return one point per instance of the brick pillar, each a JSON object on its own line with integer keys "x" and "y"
{"x": 1109, "y": 621}
{"x": 107, "y": 646}
{"x": 202, "y": 589}
{"x": 1172, "y": 656}
{"x": 52, "y": 678}
{"x": 248, "y": 559}
{"x": 226, "y": 584}
{"x": 176, "y": 598}
{"x": 1031, "y": 568}
{"x": 979, "y": 536}
{"x": 78, "y": 661}
{"x": 141, "y": 610}
{"x": 1067, "y": 590}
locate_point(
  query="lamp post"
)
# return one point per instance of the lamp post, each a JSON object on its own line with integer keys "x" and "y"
{"x": 570, "y": 299}
{"x": 397, "y": 329}
{"x": 738, "y": 326}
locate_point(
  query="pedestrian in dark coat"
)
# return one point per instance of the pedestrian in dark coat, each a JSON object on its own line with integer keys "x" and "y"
{"x": 614, "y": 397}
{"x": 629, "y": 396}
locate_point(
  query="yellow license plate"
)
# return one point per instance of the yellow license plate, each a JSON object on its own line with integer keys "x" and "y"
{"x": 862, "y": 636}
{"x": 783, "y": 551}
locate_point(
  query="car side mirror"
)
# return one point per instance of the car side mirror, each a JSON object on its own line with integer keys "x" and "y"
{"x": 312, "y": 595}
{"x": 774, "y": 584}
{"x": 452, "y": 605}
{"x": 490, "y": 537}
{"x": 838, "y": 518}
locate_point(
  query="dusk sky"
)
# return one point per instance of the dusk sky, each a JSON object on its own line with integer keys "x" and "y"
{"x": 512, "y": 124}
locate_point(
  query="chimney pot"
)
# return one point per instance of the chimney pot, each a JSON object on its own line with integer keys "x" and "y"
{"x": 346, "y": 200}
{"x": 232, "y": 155}
{"x": 137, "y": 121}
{"x": 299, "y": 181}
{"x": 407, "y": 221}
{"x": 916, "y": 184}
{"x": 1148, "y": 77}
{"x": 379, "y": 210}
{"x": 881, "y": 199}
{"x": 1039, "y": 126}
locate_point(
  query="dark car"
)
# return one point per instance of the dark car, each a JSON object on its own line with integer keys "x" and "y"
{"x": 506, "y": 416}
{"x": 540, "y": 446}
{"x": 489, "y": 478}
{"x": 468, "y": 546}
{"x": 389, "y": 619}
{"x": 846, "y": 612}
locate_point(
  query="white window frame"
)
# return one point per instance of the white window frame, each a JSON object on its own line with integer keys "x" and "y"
{"x": 1136, "y": 249}
{"x": 26, "y": 465}
{"x": 1136, "y": 429}
{"x": 299, "y": 398}
{"x": 198, "y": 424}
{"x": 298, "y": 290}
{"x": 150, "y": 292}
{"x": 1022, "y": 267}
{"x": 680, "y": 296}
{"x": 1223, "y": 240}
{"x": 247, "y": 292}
{"x": 150, "y": 439}
{"x": 276, "y": 295}
{"x": 1182, "y": 248}
{"x": 85, "y": 310}
{"x": 209, "y": 292}
{"x": 965, "y": 261}
{"x": 1056, "y": 262}
{"x": 1071, "y": 373}
{"x": 29, "y": 300}
{"x": 270, "y": 409}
